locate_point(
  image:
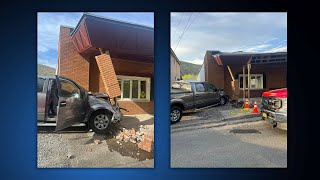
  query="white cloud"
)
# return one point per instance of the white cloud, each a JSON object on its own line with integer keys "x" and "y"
{"x": 257, "y": 48}
{"x": 196, "y": 61}
{"x": 278, "y": 49}
{"x": 49, "y": 26}
{"x": 228, "y": 32}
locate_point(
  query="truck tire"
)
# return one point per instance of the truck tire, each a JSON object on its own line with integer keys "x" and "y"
{"x": 100, "y": 121}
{"x": 175, "y": 114}
{"x": 223, "y": 101}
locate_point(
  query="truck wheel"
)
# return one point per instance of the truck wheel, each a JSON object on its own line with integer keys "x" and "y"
{"x": 223, "y": 101}
{"x": 176, "y": 114}
{"x": 100, "y": 122}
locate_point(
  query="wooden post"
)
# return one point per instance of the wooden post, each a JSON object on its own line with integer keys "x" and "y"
{"x": 101, "y": 50}
{"x": 249, "y": 67}
{"x": 230, "y": 73}
{"x": 243, "y": 82}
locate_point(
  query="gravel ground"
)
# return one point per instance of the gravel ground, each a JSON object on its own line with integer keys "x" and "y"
{"x": 52, "y": 151}
{"x": 78, "y": 147}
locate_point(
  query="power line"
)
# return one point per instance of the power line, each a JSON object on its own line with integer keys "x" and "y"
{"x": 177, "y": 26}
{"x": 183, "y": 30}
{"x": 186, "y": 30}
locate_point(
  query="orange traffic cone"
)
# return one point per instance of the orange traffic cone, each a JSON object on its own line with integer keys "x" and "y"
{"x": 255, "y": 108}
{"x": 246, "y": 105}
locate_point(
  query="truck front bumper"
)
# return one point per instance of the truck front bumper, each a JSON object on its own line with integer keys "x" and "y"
{"x": 116, "y": 116}
{"x": 277, "y": 119}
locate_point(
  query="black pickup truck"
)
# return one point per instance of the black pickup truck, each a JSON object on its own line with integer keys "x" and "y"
{"x": 193, "y": 95}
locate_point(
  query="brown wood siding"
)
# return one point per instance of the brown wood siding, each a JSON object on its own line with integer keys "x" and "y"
{"x": 275, "y": 76}
{"x": 214, "y": 72}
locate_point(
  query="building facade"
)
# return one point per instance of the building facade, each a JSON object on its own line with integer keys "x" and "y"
{"x": 268, "y": 71}
{"x": 131, "y": 49}
{"x": 175, "y": 65}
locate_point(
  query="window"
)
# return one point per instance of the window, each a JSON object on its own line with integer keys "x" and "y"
{"x": 200, "y": 87}
{"x": 68, "y": 89}
{"x": 256, "y": 81}
{"x": 134, "y": 88}
{"x": 211, "y": 88}
{"x": 40, "y": 84}
{"x": 181, "y": 86}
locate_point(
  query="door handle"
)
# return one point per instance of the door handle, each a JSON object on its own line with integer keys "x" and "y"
{"x": 63, "y": 104}
{"x": 197, "y": 95}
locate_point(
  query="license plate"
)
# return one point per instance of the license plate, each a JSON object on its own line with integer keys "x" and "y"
{"x": 264, "y": 115}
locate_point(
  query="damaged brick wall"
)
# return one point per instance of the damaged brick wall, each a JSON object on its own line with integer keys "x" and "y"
{"x": 108, "y": 75}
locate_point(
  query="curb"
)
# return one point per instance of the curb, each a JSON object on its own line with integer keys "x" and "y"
{"x": 214, "y": 124}
{"x": 202, "y": 122}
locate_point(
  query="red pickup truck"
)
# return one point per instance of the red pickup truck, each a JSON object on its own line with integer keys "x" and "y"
{"x": 274, "y": 107}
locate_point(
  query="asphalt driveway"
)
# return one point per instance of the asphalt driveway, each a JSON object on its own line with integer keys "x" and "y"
{"x": 249, "y": 145}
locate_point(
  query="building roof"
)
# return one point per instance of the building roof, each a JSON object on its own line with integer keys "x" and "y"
{"x": 86, "y": 14}
{"x": 174, "y": 55}
{"x": 226, "y": 58}
{"x": 124, "y": 40}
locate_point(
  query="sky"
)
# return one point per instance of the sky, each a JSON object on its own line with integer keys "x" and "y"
{"x": 49, "y": 24}
{"x": 227, "y": 32}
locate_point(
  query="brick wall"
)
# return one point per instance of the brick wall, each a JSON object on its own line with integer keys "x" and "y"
{"x": 137, "y": 107}
{"x": 70, "y": 63}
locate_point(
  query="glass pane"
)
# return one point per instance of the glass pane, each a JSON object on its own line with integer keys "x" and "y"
{"x": 126, "y": 88}
{"x": 143, "y": 90}
{"x": 211, "y": 88}
{"x": 200, "y": 87}
{"x": 259, "y": 82}
{"x": 134, "y": 88}
{"x": 68, "y": 89}
{"x": 181, "y": 86}
{"x": 246, "y": 82}
{"x": 241, "y": 82}
{"x": 40, "y": 85}
{"x": 119, "y": 81}
{"x": 253, "y": 82}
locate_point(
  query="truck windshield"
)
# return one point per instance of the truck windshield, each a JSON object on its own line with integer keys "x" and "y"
{"x": 182, "y": 86}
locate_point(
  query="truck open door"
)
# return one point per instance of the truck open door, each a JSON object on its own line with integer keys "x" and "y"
{"x": 70, "y": 109}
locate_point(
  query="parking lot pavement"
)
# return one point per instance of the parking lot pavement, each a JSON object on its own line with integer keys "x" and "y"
{"x": 78, "y": 147}
{"x": 247, "y": 145}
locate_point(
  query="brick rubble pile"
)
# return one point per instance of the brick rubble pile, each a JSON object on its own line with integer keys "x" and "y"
{"x": 144, "y": 137}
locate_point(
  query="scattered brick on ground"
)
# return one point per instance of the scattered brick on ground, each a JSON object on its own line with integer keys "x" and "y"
{"x": 144, "y": 137}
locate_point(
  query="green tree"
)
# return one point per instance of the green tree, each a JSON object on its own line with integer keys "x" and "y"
{"x": 189, "y": 77}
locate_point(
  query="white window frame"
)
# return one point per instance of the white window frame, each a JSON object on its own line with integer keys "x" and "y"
{"x": 131, "y": 78}
{"x": 251, "y": 75}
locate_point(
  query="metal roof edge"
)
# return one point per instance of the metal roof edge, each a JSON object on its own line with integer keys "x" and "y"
{"x": 90, "y": 15}
{"x": 174, "y": 54}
